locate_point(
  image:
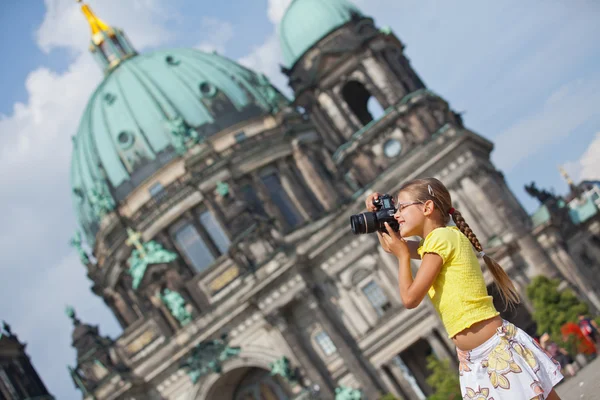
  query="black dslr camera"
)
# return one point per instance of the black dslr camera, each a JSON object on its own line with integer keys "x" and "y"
{"x": 369, "y": 222}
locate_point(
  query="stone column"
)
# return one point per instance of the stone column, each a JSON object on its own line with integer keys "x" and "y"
{"x": 537, "y": 259}
{"x": 311, "y": 365}
{"x": 366, "y": 310}
{"x": 417, "y": 127}
{"x": 389, "y": 58}
{"x": 123, "y": 310}
{"x": 475, "y": 221}
{"x": 307, "y": 165}
{"x": 392, "y": 387}
{"x": 335, "y": 114}
{"x": 293, "y": 190}
{"x": 264, "y": 196}
{"x": 382, "y": 79}
{"x": 351, "y": 355}
{"x": 364, "y": 169}
{"x": 215, "y": 209}
{"x": 481, "y": 201}
{"x": 352, "y": 313}
{"x": 330, "y": 136}
{"x": 568, "y": 268}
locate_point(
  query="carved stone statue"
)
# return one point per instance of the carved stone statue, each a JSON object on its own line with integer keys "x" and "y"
{"x": 542, "y": 195}
{"x": 101, "y": 200}
{"x": 283, "y": 368}
{"x": 222, "y": 189}
{"x": 78, "y": 380}
{"x": 70, "y": 312}
{"x": 143, "y": 255}
{"x": 267, "y": 90}
{"x": 346, "y": 393}
{"x": 207, "y": 357}
{"x": 183, "y": 135}
{"x": 5, "y": 329}
{"x": 76, "y": 243}
{"x": 176, "y": 305}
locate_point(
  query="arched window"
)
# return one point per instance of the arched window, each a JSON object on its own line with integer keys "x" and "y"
{"x": 282, "y": 200}
{"x": 325, "y": 343}
{"x": 361, "y": 102}
{"x": 201, "y": 241}
{"x": 260, "y": 385}
{"x": 377, "y": 297}
{"x": 192, "y": 245}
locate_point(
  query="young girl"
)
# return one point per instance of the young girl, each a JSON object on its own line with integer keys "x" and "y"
{"x": 497, "y": 360}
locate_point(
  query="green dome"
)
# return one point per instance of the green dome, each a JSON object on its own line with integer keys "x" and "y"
{"x": 307, "y": 21}
{"x": 149, "y": 110}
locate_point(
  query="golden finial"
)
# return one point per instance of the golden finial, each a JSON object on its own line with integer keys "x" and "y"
{"x": 96, "y": 24}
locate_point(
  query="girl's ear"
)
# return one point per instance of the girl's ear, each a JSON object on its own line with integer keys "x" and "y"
{"x": 429, "y": 207}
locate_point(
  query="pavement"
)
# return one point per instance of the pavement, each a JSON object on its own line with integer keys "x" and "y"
{"x": 585, "y": 385}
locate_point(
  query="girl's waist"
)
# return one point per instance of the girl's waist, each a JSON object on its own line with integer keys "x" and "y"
{"x": 480, "y": 336}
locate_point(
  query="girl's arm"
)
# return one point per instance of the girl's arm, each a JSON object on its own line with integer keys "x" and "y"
{"x": 413, "y": 291}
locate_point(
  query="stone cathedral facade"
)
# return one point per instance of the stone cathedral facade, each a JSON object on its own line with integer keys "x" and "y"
{"x": 214, "y": 217}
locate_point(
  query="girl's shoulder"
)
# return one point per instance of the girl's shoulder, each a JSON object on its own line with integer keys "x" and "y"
{"x": 441, "y": 241}
{"x": 443, "y": 233}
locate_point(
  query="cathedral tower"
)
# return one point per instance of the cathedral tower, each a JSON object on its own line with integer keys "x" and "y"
{"x": 382, "y": 124}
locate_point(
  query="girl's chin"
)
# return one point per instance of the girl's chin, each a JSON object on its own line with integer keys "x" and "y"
{"x": 405, "y": 232}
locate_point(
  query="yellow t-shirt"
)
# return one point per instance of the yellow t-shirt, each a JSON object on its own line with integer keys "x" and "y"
{"x": 458, "y": 293}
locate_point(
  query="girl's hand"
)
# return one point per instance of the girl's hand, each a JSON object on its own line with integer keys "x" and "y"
{"x": 394, "y": 243}
{"x": 383, "y": 243}
{"x": 369, "y": 201}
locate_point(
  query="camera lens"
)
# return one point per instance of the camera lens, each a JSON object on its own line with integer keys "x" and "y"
{"x": 363, "y": 223}
{"x": 357, "y": 223}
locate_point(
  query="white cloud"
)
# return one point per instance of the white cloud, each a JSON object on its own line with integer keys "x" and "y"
{"x": 65, "y": 26}
{"x": 590, "y": 161}
{"x": 587, "y": 167}
{"x": 56, "y": 102}
{"x": 566, "y": 109}
{"x": 276, "y": 10}
{"x": 267, "y": 58}
{"x": 215, "y": 33}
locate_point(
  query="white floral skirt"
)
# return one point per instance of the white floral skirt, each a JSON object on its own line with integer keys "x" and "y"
{"x": 509, "y": 365}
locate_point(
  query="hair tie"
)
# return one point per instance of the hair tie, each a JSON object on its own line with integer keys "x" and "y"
{"x": 451, "y": 211}
{"x": 481, "y": 254}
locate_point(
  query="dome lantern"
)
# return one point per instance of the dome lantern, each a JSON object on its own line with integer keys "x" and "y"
{"x": 109, "y": 45}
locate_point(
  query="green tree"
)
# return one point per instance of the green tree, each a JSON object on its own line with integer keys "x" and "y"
{"x": 553, "y": 308}
{"x": 388, "y": 396}
{"x": 443, "y": 379}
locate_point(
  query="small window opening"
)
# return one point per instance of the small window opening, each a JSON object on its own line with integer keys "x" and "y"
{"x": 361, "y": 102}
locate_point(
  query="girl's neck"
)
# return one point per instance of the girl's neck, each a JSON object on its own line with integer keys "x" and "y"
{"x": 429, "y": 226}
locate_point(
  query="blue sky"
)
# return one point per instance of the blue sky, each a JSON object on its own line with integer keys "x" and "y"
{"x": 526, "y": 73}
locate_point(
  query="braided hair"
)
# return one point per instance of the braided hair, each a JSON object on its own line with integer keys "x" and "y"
{"x": 434, "y": 190}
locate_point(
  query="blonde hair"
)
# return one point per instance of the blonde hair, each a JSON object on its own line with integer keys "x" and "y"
{"x": 434, "y": 190}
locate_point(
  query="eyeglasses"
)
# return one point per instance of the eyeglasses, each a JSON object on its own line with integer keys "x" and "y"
{"x": 402, "y": 206}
